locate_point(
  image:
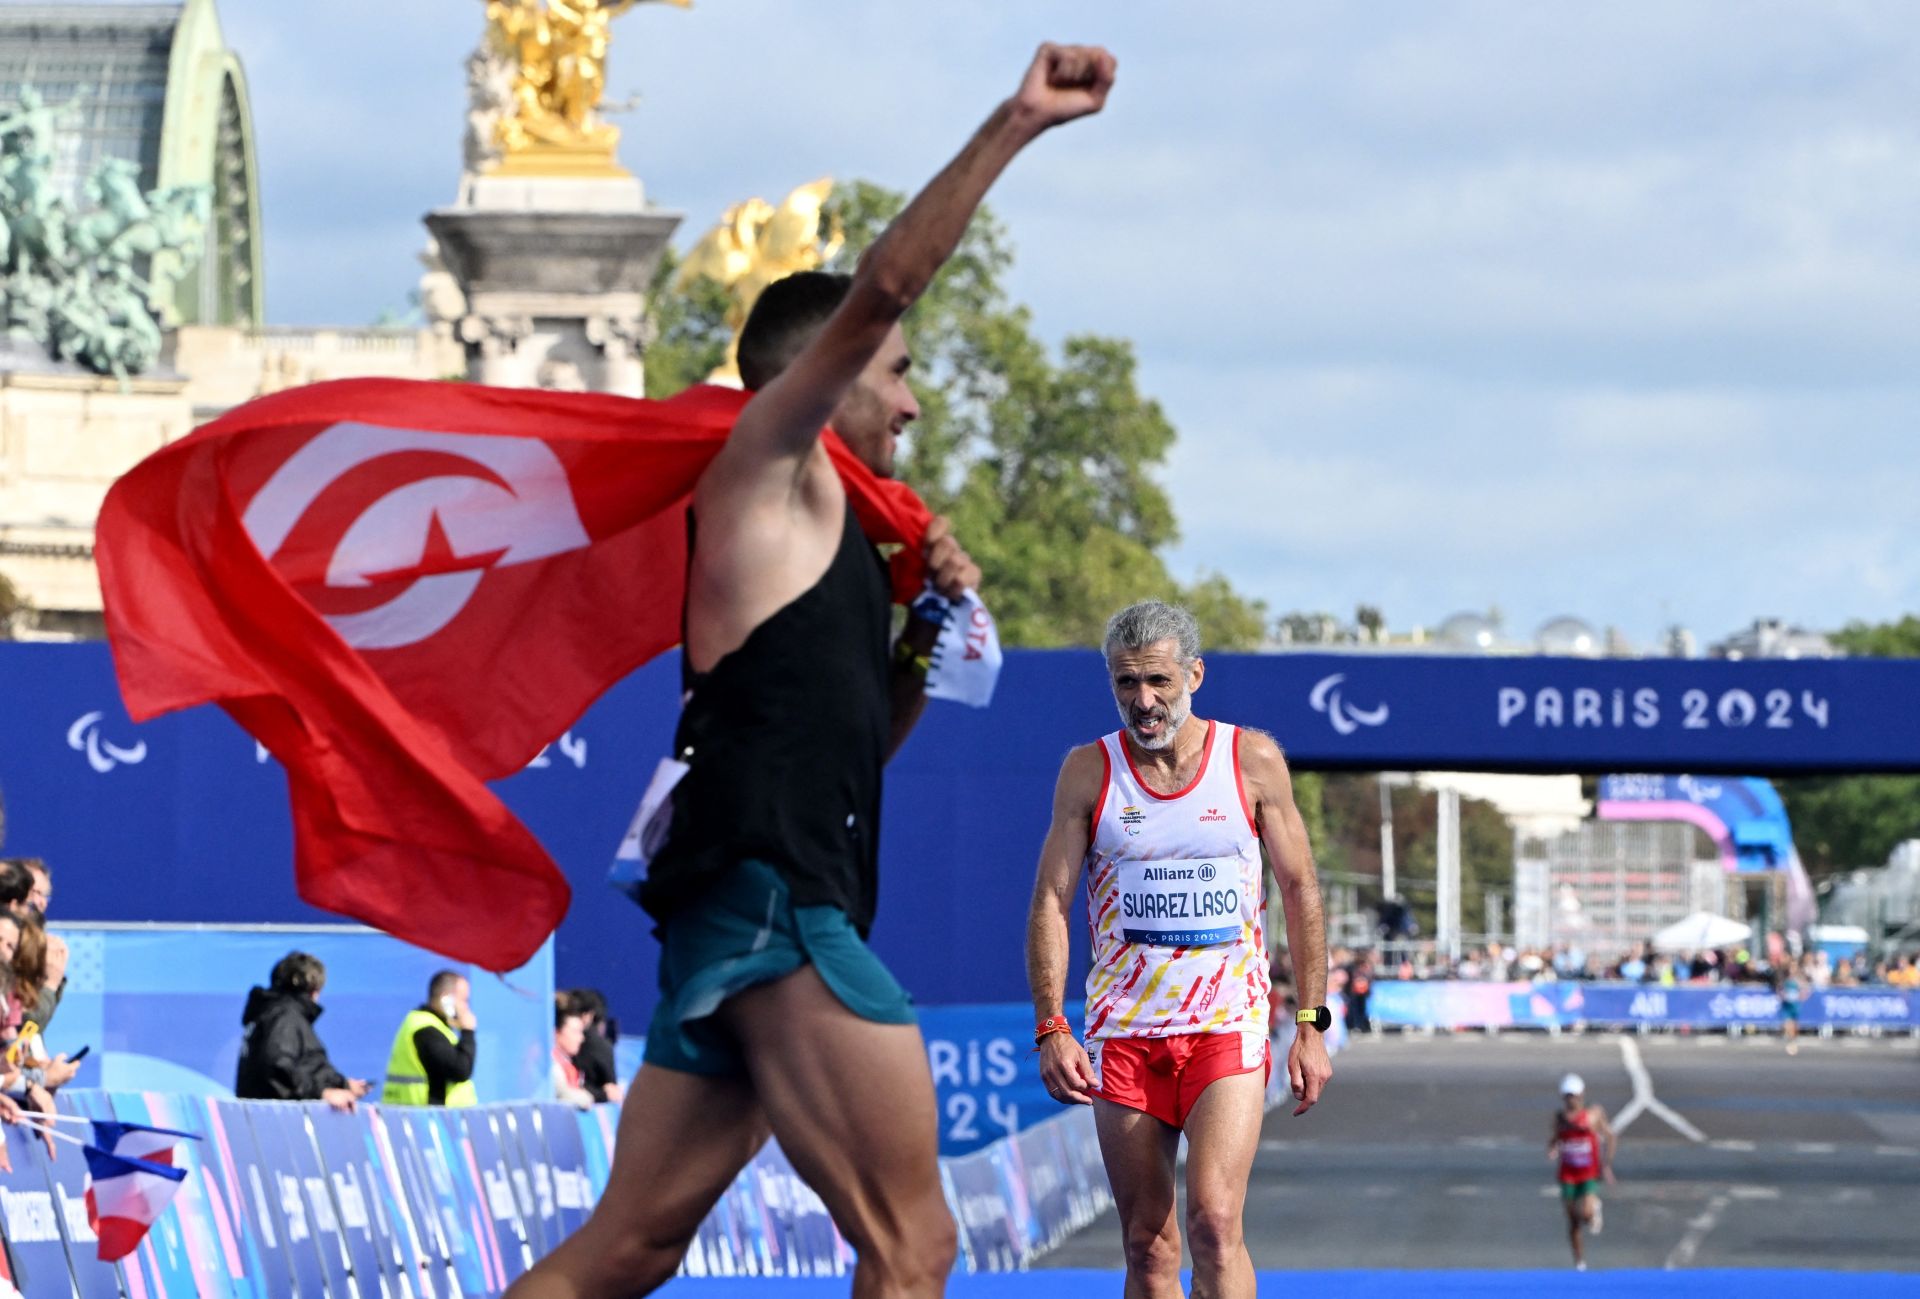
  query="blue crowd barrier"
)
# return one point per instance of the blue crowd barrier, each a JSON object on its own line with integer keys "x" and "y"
{"x": 1567, "y": 1003}
{"x": 284, "y": 1198}
{"x": 247, "y": 1185}
{"x": 986, "y": 1074}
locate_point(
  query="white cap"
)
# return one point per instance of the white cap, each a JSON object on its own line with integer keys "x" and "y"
{"x": 1571, "y": 1085}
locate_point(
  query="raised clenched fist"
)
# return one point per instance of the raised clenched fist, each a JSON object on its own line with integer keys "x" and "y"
{"x": 1065, "y": 82}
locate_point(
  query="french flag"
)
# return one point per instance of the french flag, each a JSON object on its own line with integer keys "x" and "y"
{"x": 138, "y": 1141}
{"x": 125, "y": 1195}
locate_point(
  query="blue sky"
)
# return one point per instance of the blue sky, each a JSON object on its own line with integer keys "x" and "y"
{"x": 1605, "y": 310}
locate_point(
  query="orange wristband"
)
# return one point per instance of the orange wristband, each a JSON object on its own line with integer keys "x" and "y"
{"x": 1050, "y": 1025}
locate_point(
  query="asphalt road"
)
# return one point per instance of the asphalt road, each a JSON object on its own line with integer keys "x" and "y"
{"x": 1429, "y": 1152}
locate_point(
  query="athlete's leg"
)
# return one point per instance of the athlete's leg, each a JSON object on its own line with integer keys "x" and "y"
{"x": 1139, "y": 1152}
{"x": 682, "y": 1139}
{"x": 852, "y": 1105}
{"x": 1576, "y": 1216}
{"x": 1223, "y": 1133}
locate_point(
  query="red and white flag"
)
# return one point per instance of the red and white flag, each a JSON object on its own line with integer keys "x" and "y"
{"x": 404, "y": 590}
{"x": 125, "y": 1196}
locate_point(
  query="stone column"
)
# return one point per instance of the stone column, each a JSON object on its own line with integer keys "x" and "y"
{"x": 555, "y": 273}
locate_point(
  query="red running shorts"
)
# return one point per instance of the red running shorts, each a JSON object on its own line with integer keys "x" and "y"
{"x": 1164, "y": 1076}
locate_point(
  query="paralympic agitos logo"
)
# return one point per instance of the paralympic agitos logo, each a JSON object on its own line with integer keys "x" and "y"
{"x": 404, "y": 524}
{"x": 1346, "y": 719}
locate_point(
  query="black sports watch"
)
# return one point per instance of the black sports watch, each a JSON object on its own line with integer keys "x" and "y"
{"x": 1318, "y": 1016}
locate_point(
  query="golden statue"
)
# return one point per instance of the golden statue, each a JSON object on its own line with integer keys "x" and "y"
{"x": 756, "y": 244}
{"x": 557, "y": 50}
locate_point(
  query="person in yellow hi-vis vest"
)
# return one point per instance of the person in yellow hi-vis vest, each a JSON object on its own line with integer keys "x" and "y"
{"x": 432, "y": 1058}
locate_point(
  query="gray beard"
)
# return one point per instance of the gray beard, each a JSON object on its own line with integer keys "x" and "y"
{"x": 1175, "y": 720}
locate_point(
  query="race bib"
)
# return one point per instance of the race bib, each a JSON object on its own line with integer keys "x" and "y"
{"x": 1179, "y": 903}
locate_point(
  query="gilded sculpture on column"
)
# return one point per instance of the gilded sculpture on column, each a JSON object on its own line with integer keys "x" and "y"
{"x": 556, "y": 50}
{"x": 755, "y": 244}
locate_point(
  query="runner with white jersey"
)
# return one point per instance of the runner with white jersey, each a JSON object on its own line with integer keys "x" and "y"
{"x": 1166, "y": 818}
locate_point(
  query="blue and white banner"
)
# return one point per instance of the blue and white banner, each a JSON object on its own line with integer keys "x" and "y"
{"x": 1747, "y": 1005}
{"x": 1743, "y": 815}
{"x": 1442, "y": 712}
{"x": 985, "y": 1072}
{"x": 1461, "y": 1004}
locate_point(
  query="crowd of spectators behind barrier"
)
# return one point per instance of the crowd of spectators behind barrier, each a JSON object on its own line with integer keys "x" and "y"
{"x": 583, "y": 1038}
{"x": 1642, "y": 964}
{"x": 283, "y": 1058}
{"x": 33, "y": 977}
{"x": 1352, "y": 972}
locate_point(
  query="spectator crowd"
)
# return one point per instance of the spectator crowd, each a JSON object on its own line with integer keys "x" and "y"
{"x": 1497, "y": 963}
{"x": 33, "y": 974}
{"x": 434, "y": 1048}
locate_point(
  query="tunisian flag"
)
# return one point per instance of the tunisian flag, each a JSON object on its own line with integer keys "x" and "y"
{"x": 405, "y": 589}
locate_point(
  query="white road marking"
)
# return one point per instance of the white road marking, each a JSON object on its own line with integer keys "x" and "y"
{"x": 1689, "y": 1244}
{"x": 1644, "y": 1101}
{"x": 1898, "y": 1152}
{"x": 1814, "y": 1147}
{"x": 1742, "y": 1146}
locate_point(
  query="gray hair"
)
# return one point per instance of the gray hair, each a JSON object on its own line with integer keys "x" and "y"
{"x": 1148, "y": 623}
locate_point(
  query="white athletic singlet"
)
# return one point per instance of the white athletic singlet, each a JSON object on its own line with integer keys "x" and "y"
{"x": 1174, "y": 902}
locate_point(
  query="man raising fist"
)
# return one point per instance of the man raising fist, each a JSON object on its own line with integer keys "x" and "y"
{"x": 774, "y": 1014}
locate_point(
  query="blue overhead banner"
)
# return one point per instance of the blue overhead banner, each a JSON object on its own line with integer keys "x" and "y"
{"x": 1449, "y": 1003}
{"x": 1440, "y": 712}
{"x": 185, "y": 818}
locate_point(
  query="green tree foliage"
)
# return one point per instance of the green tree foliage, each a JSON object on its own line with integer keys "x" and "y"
{"x": 1047, "y": 467}
{"x": 1351, "y": 812}
{"x": 1309, "y": 795}
{"x": 1887, "y": 640}
{"x": 1841, "y": 822}
{"x": 690, "y": 330}
{"x": 12, "y": 605}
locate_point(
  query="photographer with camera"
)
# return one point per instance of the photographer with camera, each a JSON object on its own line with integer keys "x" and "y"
{"x": 432, "y": 1058}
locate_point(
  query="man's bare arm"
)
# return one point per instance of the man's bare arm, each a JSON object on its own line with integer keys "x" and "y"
{"x": 1061, "y": 858}
{"x": 906, "y": 700}
{"x": 1064, "y": 1067}
{"x": 773, "y": 436}
{"x": 1284, "y": 836}
{"x": 1609, "y": 1141}
{"x": 951, "y": 571}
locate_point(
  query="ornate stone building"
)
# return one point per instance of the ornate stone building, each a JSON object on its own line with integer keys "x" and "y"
{"x": 157, "y": 85}
{"x": 553, "y": 245}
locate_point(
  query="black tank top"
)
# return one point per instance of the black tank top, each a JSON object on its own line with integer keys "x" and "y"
{"x": 785, "y": 738}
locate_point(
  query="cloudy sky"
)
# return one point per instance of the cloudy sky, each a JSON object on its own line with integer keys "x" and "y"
{"x": 1610, "y": 310}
